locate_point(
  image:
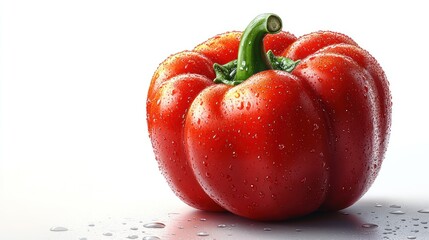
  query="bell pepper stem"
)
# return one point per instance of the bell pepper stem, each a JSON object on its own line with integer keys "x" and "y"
{"x": 251, "y": 54}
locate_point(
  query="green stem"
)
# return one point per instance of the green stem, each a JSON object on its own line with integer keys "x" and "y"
{"x": 251, "y": 55}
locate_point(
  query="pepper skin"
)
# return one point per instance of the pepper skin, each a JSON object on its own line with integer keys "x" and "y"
{"x": 270, "y": 136}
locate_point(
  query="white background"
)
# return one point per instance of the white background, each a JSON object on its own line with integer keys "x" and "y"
{"x": 74, "y": 77}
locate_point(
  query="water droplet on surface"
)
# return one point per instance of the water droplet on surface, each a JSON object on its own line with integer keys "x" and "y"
{"x": 369, "y": 225}
{"x": 411, "y": 237}
{"x": 151, "y": 238}
{"x": 378, "y": 205}
{"x": 248, "y": 105}
{"x": 107, "y": 234}
{"x": 397, "y": 212}
{"x": 221, "y": 226}
{"x": 241, "y": 106}
{"x": 133, "y": 237}
{"x": 154, "y": 225}
{"x": 134, "y": 228}
{"x": 426, "y": 210}
{"x": 281, "y": 146}
{"x": 203, "y": 234}
{"x": 58, "y": 229}
{"x": 267, "y": 229}
{"x": 298, "y": 230}
{"x": 395, "y": 206}
{"x": 203, "y": 219}
{"x": 315, "y": 127}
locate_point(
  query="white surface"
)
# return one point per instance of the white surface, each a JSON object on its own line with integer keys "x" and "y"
{"x": 74, "y": 77}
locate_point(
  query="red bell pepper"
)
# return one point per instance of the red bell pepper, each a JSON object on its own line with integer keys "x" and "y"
{"x": 270, "y": 136}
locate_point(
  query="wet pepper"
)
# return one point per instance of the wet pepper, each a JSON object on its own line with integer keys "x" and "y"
{"x": 269, "y": 126}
